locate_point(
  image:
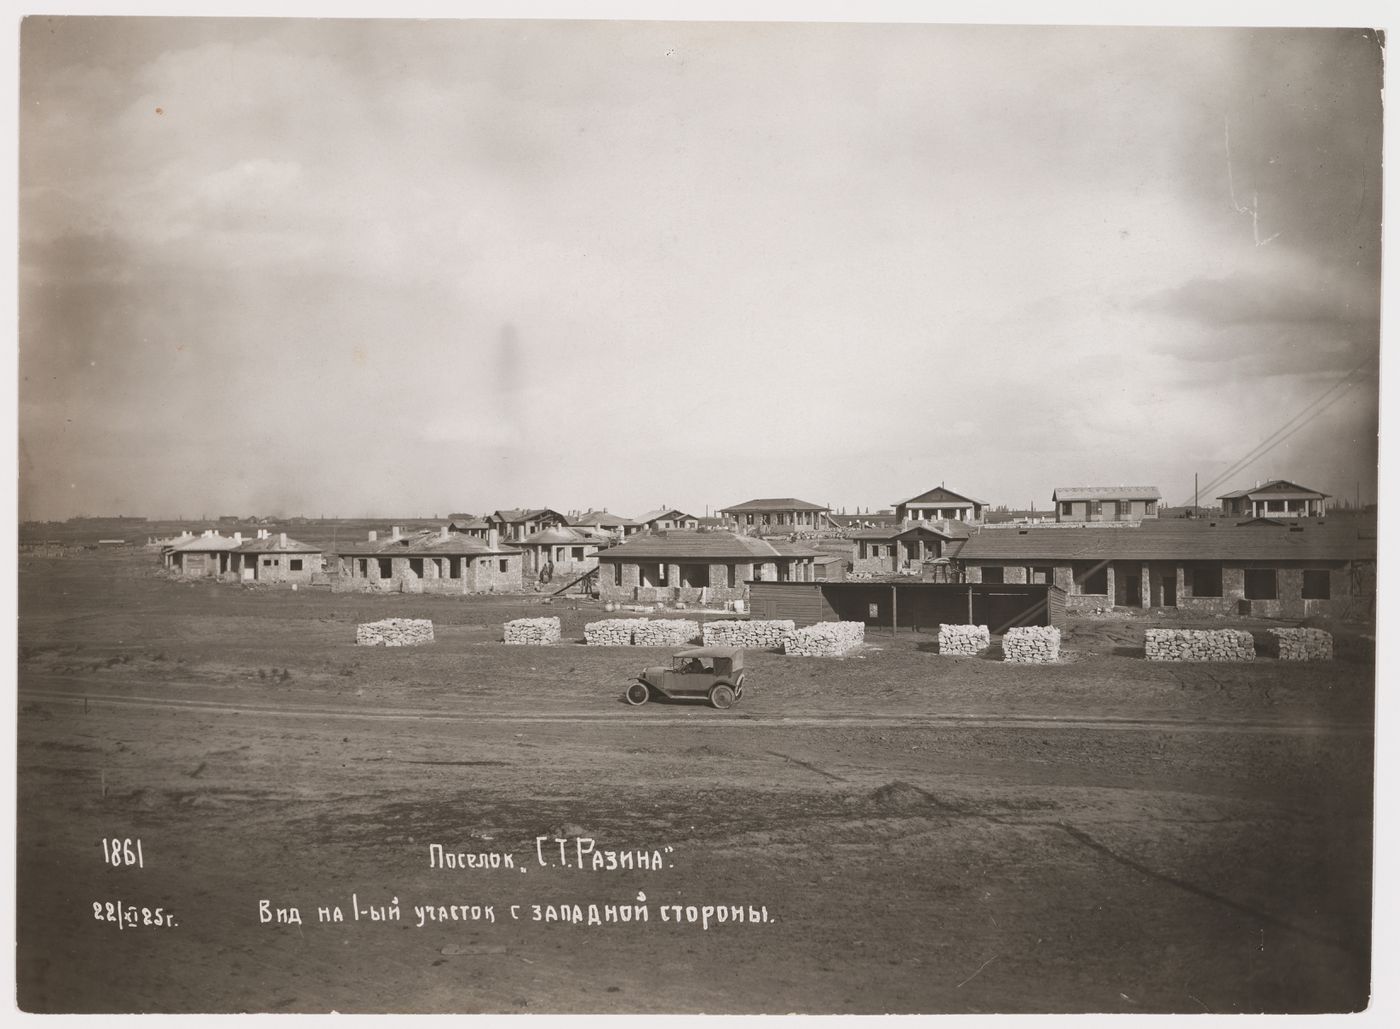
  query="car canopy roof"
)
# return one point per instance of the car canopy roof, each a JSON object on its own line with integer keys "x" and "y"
{"x": 730, "y": 652}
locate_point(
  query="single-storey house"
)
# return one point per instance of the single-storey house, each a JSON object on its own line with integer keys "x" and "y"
{"x": 903, "y": 549}
{"x": 698, "y": 566}
{"x": 207, "y": 555}
{"x": 565, "y": 551}
{"x": 275, "y": 558}
{"x": 1321, "y": 568}
{"x": 431, "y": 561}
{"x": 470, "y": 526}
{"x": 1106, "y": 503}
{"x": 265, "y": 558}
{"x": 1277, "y": 498}
{"x": 664, "y": 519}
{"x": 603, "y": 522}
{"x": 516, "y": 523}
{"x": 940, "y": 503}
{"x": 778, "y": 514}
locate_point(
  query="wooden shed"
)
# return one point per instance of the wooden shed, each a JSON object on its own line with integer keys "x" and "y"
{"x": 910, "y": 605}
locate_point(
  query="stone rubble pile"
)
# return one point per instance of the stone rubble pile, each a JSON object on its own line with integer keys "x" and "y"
{"x": 825, "y": 639}
{"x": 611, "y": 632}
{"x": 665, "y": 632}
{"x": 1199, "y": 645}
{"x": 1303, "y": 644}
{"x": 394, "y": 632}
{"x": 963, "y": 639}
{"x": 751, "y": 634}
{"x": 536, "y": 632}
{"x": 1031, "y": 644}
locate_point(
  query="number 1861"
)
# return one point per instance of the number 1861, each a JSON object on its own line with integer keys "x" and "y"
{"x": 121, "y": 853}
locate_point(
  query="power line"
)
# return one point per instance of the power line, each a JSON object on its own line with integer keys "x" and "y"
{"x": 1292, "y": 426}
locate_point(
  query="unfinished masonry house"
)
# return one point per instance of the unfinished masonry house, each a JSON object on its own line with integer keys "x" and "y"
{"x": 905, "y": 549}
{"x": 266, "y": 558}
{"x": 940, "y": 504}
{"x": 1106, "y": 503}
{"x": 1257, "y": 568}
{"x": 516, "y": 523}
{"x": 696, "y": 566}
{"x": 777, "y": 515}
{"x": 432, "y": 561}
{"x": 566, "y": 552}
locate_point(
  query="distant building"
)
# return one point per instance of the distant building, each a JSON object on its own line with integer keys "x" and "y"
{"x": 695, "y": 566}
{"x": 516, "y": 523}
{"x": 1277, "y": 498}
{"x": 430, "y": 561}
{"x": 778, "y": 514}
{"x": 939, "y": 504}
{"x": 471, "y": 527}
{"x": 603, "y": 522}
{"x": 664, "y": 519}
{"x": 1106, "y": 503}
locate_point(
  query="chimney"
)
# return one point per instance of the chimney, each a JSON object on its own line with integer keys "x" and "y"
{"x": 238, "y": 537}
{"x": 443, "y": 534}
{"x": 373, "y": 536}
{"x": 493, "y": 538}
{"x": 393, "y": 532}
{"x": 282, "y": 539}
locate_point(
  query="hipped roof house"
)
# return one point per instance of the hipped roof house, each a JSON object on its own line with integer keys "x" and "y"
{"x": 429, "y": 542}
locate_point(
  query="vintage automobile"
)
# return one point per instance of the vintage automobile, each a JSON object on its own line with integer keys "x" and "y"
{"x": 715, "y": 674}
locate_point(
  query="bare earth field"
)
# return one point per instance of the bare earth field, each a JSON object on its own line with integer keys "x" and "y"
{"x": 926, "y": 833}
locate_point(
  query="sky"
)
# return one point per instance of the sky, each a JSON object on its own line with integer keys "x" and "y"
{"x": 382, "y": 268}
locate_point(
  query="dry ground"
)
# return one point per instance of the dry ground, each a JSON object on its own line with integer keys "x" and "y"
{"x": 928, "y": 834}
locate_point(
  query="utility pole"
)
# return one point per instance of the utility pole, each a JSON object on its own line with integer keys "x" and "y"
{"x": 1196, "y": 507}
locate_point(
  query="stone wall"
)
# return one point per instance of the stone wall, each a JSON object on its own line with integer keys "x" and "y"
{"x": 963, "y": 639}
{"x": 825, "y": 639}
{"x": 1199, "y": 645}
{"x": 753, "y": 634}
{"x": 532, "y": 631}
{"x": 394, "y": 632}
{"x": 1031, "y": 644}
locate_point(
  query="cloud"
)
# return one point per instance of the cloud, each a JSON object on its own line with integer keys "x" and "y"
{"x": 1248, "y": 299}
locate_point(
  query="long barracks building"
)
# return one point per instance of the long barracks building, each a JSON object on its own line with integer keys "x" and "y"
{"x": 1257, "y": 567}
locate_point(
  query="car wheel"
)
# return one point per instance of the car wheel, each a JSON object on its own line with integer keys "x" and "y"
{"x": 722, "y": 696}
{"x": 638, "y": 693}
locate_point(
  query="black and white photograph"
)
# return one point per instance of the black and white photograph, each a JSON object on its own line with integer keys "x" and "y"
{"x": 579, "y": 513}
